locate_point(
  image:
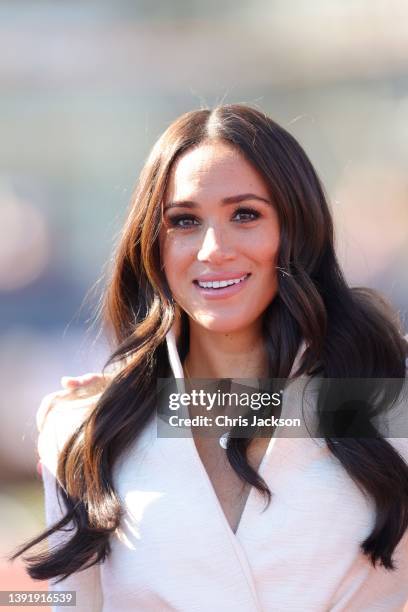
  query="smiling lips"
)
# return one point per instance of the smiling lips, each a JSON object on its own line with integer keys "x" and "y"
{"x": 215, "y": 284}
{"x": 226, "y": 285}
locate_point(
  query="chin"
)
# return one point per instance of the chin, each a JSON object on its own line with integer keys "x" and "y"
{"x": 221, "y": 325}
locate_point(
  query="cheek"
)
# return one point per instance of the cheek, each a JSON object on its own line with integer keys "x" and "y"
{"x": 175, "y": 257}
{"x": 264, "y": 250}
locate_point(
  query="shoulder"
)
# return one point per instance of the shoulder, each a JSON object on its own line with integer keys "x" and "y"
{"x": 59, "y": 415}
{"x": 82, "y": 395}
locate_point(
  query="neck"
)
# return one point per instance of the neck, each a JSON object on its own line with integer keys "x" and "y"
{"x": 239, "y": 354}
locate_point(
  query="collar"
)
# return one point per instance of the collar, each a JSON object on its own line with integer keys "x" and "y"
{"x": 177, "y": 368}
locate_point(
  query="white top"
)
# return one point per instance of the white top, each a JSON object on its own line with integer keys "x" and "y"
{"x": 175, "y": 550}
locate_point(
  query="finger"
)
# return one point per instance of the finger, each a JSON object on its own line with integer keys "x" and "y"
{"x": 70, "y": 381}
{"x": 77, "y": 381}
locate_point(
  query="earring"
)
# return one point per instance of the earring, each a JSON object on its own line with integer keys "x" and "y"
{"x": 282, "y": 272}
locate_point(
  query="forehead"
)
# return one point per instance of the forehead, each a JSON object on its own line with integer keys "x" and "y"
{"x": 213, "y": 167}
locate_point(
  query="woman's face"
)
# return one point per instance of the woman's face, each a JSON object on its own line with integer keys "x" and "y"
{"x": 219, "y": 228}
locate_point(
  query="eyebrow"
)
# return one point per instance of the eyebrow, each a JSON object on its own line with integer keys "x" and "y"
{"x": 235, "y": 199}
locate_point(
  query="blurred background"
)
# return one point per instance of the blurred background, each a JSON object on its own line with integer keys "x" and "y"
{"x": 87, "y": 87}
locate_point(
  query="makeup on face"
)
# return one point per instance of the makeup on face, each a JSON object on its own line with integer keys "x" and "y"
{"x": 220, "y": 238}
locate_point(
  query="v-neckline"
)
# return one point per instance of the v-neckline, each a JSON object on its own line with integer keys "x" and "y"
{"x": 178, "y": 372}
{"x": 252, "y": 491}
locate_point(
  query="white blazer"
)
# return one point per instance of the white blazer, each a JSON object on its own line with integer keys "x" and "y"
{"x": 175, "y": 550}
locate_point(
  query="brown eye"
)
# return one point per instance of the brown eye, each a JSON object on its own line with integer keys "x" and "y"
{"x": 246, "y": 214}
{"x": 182, "y": 221}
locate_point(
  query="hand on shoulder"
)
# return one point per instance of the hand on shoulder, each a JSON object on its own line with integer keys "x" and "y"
{"x": 73, "y": 388}
{"x": 68, "y": 406}
{"x": 85, "y": 380}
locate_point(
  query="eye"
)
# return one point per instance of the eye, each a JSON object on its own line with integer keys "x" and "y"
{"x": 247, "y": 214}
{"x": 186, "y": 221}
{"x": 182, "y": 221}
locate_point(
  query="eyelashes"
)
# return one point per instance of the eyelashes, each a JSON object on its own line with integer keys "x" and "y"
{"x": 186, "y": 221}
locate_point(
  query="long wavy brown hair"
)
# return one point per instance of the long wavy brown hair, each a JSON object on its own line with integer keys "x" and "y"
{"x": 347, "y": 332}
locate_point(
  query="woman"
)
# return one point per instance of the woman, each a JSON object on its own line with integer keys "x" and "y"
{"x": 226, "y": 269}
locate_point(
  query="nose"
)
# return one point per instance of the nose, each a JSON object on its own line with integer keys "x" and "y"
{"x": 214, "y": 247}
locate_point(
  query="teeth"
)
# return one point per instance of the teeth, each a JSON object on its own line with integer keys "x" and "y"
{"x": 223, "y": 283}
